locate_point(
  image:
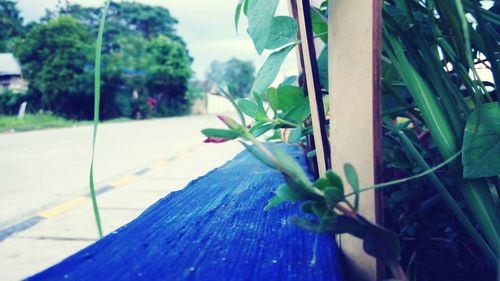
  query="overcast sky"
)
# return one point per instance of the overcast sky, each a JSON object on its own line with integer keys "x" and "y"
{"x": 206, "y": 25}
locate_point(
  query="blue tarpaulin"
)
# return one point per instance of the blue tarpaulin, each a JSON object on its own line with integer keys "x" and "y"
{"x": 214, "y": 229}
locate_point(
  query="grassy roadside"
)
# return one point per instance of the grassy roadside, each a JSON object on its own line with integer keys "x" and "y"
{"x": 9, "y": 123}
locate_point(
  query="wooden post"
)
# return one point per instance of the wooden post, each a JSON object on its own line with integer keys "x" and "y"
{"x": 355, "y": 132}
{"x": 313, "y": 86}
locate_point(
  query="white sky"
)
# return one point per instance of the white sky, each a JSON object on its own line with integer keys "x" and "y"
{"x": 207, "y": 26}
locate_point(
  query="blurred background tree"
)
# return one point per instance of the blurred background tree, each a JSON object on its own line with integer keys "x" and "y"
{"x": 237, "y": 74}
{"x": 56, "y": 60}
{"x": 11, "y": 25}
{"x": 146, "y": 65}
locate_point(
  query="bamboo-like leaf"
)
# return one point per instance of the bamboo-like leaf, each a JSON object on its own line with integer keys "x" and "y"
{"x": 237, "y": 13}
{"x": 97, "y": 100}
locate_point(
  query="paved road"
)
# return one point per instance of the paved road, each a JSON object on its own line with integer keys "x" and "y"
{"x": 39, "y": 169}
{"x": 44, "y": 179}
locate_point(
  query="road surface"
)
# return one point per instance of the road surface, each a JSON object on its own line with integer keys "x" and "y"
{"x": 41, "y": 168}
{"x": 46, "y": 212}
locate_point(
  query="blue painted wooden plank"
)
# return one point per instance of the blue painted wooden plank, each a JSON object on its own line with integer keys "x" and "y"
{"x": 214, "y": 229}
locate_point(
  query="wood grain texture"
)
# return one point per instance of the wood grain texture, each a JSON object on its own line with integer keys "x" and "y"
{"x": 353, "y": 106}
{"x": 214, "y": 229}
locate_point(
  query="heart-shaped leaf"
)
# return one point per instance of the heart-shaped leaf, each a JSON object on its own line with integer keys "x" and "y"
{"x": 481, "y": 146}
{"x": 333, "y": 195}
{"x": 283, "y": 31}
{"x": 260, "y": 16}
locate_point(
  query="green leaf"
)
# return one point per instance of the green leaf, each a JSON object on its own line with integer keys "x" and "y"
{"x": 316, "y": 208}
{"x": 481, "y": 146}
{"x": 260, "y": 16}
{"x": 295, "y": 135}
{"x": 237, "y": 14}
{"x": 259, "y": 155}
{"x": 296, "y": 178}
{"x": 311, "y": 154}
{"x": 272, "y": 98}
{"x": 290, "y": 164}
{"x": 302, "y": 188}
{"x": 245, "y": 7}
{"x": 335, "y": 180}
{"x": 323, "y": 68}
{"x": 283, "y": 31}
{"x": 275, "y": 200}
{"x": 220, "y": 133}
{"x": 97, "y": 101}
{"x": 319, "y": 24}
{"x": 299, "y": 113}
{"x": 352, "y": 179}
{"x": 248, "y": 107}
{"x": 286, "y": 193}
{"x": 259, "y": 129}
{"x": 230, "y": 122}
{"x": 289, "y": 96}
{"x": 333, "y": 195}
{"x": 267, "y": 73}
{"x": 322, "y": 183}
{"x": 261, "y": 116}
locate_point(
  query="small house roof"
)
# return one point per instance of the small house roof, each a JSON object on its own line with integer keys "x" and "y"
{"x": 9, "y": 65}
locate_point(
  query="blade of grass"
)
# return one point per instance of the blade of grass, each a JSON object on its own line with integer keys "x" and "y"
{"x": 412, "y": 152}
{"x": 97, "y": 100}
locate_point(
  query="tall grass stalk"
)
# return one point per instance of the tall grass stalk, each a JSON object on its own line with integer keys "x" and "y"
{"x": 97, "y": 100}
{"x": 426, "y": 59}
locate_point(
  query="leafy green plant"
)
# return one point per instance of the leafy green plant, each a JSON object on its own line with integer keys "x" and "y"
{"x": 431, "y": 52}
{"x": 324, "y": 198}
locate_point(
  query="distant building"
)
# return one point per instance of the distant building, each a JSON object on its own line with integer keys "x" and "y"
{"x": 11, "y": 77}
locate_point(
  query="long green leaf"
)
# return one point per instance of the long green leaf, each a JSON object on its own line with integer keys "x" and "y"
{"x": 97, "y": 100}
{"x": 269, "y": 70}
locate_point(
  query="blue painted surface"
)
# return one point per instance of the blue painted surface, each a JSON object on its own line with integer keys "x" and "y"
{"x": 214, "y": 229}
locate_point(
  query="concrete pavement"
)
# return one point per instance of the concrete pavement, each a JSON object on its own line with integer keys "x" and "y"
{"x": 44, "y": 175}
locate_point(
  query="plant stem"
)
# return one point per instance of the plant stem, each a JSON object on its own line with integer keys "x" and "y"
{"x": 403, "y": 180}
{"x": 287, "y": 122}
{"x": 450, "y": 201}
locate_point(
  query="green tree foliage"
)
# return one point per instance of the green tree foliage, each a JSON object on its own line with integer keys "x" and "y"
{"x": 145, "y": 67}
{"x": 126, "y": 19}
{"x": 237, "y": 74}
{"x": 167, "y": 73}
{"x": 55, "y": 58}
{"x": 11, "y": 24}
{"x": 133, "y": 31}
